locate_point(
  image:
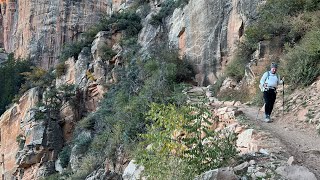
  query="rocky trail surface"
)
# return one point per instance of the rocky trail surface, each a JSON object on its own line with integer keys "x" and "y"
{"x": 299, "y": 140}
{"x": 296, "y": 125}
{"x": 288, "y": 147}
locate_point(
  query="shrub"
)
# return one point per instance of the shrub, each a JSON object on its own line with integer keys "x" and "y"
{"x": 86, "y": 123}
{"x": 303, "y": 24}
{"x": 90, "y": 76}
{"x": 64, "y": 156}
{"x": 126, "y": 21}
{"x": 108, "y": 53}
{"x": 121, "y": 116}
{"x": 144, "y": 10}
{"x": 303, "y": 60}
{"x": 312, "y": 5}
{"x": 236, "y": 68}
{"x": 242, "y": 94}
{"x": 61, "y": 69}
{"x": 82, "y": 143}
{"x": 216, "y": 87}
{"x": 72, "y": 50}
{"x": 52, "y": 177}
{"x": 11, "y": 79}
{"x": 21, "y": 139}
{"x": 258, "y": 98}
{"x": 167, "y": 9}
{"x": 207, "y": 149}
{"x": 38, "y": 77}
{"x": 273, "y": 20}
{"x": 88, "y": 164}
{"x": 182, "y": 134}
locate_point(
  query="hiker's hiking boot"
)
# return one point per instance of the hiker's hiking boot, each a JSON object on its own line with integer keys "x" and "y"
{"x": 267, "y": 119}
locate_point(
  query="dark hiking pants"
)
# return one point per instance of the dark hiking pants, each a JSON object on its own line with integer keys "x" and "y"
{"x": 269, "y": 99}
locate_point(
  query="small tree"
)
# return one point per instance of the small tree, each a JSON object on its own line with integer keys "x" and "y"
{"x": 182, "y": 134}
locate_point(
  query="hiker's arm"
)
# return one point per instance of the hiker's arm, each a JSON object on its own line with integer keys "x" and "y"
{"x": 263, "y": 78}
{"x": 280, "y": 80}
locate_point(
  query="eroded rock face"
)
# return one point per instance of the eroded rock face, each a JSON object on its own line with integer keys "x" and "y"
{"x": 29, "y": 145}
{"x": 13, "y": 125}
{"x": 40, "y": 28}
{"x": 91, "y": 71}
{"x": 206, "y": 32}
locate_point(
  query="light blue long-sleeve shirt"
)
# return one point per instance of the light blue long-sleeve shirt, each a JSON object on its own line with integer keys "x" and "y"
{"x": 272, "y": 80}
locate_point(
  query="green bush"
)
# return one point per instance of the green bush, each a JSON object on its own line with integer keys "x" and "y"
{"x": 145, "y": 9}
{"x": 72, "y": 50}
{"x": 258, "y": 100}
{"x": 182, "y": 135}
{"x": 61, "y": 69}
{"x": 274, "y": 20}
{"x": 121, "y": 116}
{"x": 167, "y": 9}
{"x": 11, "y": 79}
{"x": 236, "y": 68}
{"x": 86, "y": 123}
{"x": 38, "y": 77}
{"x": 21, "y": 139}
{"x": 64, "y": 156}
{"x": 127, "y": 21}
{"x": 82, "y": 143}
{"x": 108, "y": 53}
{"x": 241, "y": 94}
{"x": 88, "y": 165}
{"x": 52, "y": 177}
{"x": 207, "y": 149}
{"x": 303, "y": 60}
{"x": 216, "y": 87}
{"x": 312, "y": 5}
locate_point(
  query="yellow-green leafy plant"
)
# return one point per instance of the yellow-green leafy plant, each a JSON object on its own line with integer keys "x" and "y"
{"x": 182, "y": 135}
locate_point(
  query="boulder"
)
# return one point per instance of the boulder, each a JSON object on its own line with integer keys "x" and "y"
{"x": 133, "y": 171}
{"x": 295, "y": 172}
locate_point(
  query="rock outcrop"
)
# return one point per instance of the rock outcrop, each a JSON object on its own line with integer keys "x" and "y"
{"x": 16, "y": 131}
{"x": 38, "y": 29}
{"x": 30, "y": 144}
{"x": 206, "y": 33}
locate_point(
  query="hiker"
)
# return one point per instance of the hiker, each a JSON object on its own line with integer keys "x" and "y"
{"x": 268, "y": 84}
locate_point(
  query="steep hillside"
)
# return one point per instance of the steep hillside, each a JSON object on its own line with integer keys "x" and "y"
{"x": 118, "y": 91}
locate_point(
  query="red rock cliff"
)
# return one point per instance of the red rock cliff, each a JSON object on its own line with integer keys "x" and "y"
{"x": 38, "y": 28}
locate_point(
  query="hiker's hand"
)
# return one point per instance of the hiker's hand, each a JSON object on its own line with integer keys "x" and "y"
{"x": 282, "y": 79}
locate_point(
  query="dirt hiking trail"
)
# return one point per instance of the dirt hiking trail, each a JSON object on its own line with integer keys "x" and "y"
{"x": 298, "y": 139}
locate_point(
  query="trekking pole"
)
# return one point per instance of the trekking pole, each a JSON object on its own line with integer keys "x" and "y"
{"x": 282, "y": 98}
{"x": 259, "y": 110}
{"x": 257, "y": 114}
